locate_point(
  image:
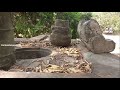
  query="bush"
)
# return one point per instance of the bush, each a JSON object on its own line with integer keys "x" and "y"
{"x": 74, "y": 18}
{"x": 29, "y": 24}
{"x": 108, "y": 19}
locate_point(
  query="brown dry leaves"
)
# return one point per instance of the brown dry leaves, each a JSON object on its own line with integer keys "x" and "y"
{"x": 41, "y": 44}
{"x": 71, "y": 52}
{"x": 71, "y": 58}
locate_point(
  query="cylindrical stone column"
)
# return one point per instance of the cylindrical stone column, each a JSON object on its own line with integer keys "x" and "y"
{"x": 7, "y": 57}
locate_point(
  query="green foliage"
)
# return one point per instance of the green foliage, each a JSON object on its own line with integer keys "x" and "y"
{"x": 29, "y": 24}
{"x": 74, "y": 18}
{"x": 108, "y": 19}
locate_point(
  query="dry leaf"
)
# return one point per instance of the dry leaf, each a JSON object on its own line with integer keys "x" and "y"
{"x": 53, "y": 69}
{"x": 74, "y": 70}
{"x": 77, "y": 64}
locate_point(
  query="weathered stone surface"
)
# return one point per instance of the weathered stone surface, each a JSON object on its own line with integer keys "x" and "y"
{"x": 106, "y": 65}
{"x": 62, "y": 23}
{"x": 91, "y": 34}
{"x": 60, "y": 33}
{"x": 38, "y": 38}
{"x": 19, "y": 40}
{"x": 7, "y": 61}
{"x": 100, "y": 45}
{"x": 31, "y": 53}
{"x": 88, "y": 28}
{"x": 7, "y": 57}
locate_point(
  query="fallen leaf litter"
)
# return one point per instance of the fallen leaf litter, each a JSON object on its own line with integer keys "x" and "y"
{"x": 63, "y": 60}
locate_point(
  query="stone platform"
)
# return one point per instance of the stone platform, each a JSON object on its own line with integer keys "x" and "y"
{"x": 106, "y": 65}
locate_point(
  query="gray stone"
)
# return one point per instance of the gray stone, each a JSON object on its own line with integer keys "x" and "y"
{"x": 101, "y": 45}
{"x": 31, "y": 53}
{"x": 7, "y": 57}
{"x": 38, "y": 38}
{"x": 62, "y": 23}
{"x": 105, "y": 65}
{"x": 88, "y": 28}
{"x": 21, "y": 40}
{"x": 91, "y": 34}
{"x": 60, "y": 33}
{"x": 33, "y": 39}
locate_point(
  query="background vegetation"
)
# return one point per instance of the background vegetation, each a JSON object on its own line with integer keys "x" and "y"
{"x": 29, "y": 24}
{"x": 108, "y": 19}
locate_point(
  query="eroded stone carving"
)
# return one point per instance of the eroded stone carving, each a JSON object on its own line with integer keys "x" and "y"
{"x": 91, "y": 34}
{"x": 60, "y": 35}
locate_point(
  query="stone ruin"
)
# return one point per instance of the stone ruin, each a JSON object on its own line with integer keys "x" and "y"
{"x": 7, "y": 57}
{"x": 60, "y": 33}
{"x": 90, "y": 33}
